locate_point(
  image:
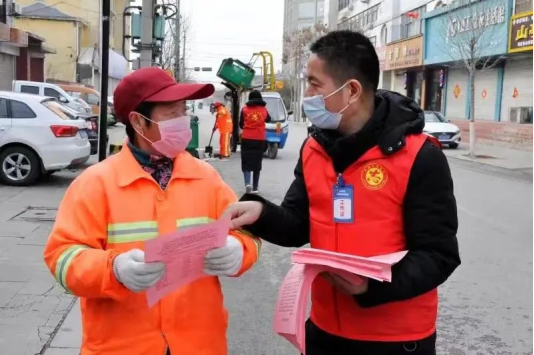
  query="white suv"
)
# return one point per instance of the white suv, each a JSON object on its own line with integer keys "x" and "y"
{"x": 38, "y": 136}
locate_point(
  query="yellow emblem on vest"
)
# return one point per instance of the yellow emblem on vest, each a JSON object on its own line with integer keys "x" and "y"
{"x": 374, "y": 176}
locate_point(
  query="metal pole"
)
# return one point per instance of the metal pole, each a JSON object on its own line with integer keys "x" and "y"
{"x": 183, "y": 58}
{"x": 177, "y": 24}
{"x": 104, "y": 70}
{"x": 147, "y": 23}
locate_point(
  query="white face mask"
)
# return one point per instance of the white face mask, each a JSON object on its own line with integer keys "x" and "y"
{"x": 315, "y": 110}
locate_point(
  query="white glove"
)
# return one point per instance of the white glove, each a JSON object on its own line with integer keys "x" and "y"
{"x": 226, "y": 260}
{"x": 131, "y": 270}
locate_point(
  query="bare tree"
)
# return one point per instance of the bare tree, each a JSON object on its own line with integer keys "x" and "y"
{"x": 297, "y": 51}
{"x": 471, "y": 34}
{"x": 168, "y": 57}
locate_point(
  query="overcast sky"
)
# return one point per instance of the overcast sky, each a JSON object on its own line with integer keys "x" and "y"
{"x": 232, "y": 28}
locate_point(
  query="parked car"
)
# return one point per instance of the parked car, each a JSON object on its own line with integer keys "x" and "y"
{"x": 51, "y": 90}
{"x": 37, "y": 138}
{"x": 92, "y": 97}
{"x": 92, "y": 125}
{"x": 438, "y": 126}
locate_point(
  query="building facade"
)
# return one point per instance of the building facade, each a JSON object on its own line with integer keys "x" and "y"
{"x": 21, "y": 52}
{"x": 77, "y": 58}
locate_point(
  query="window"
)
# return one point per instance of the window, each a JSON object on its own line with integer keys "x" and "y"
{"x": 384, "y": 35}
{"x": 411, "y": 26}
{"x": 432, "y": 117}
{"x": 63, "y": 112}
{"x": 344, "y": 4}
{"x": 92, "y": 99}
{"x": 29, "y": 89}
{"x": 21, "y": 110}
{"x": 306, "y": 10}
{"x": 373, "y": 40}
{"x": 3, "y": 109}
{"x": 276, "y": 109}
{"x": 52, "y": 93}
{"x": 361, "y": 21}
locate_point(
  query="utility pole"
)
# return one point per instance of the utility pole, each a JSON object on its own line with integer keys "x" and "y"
{"x": 104, "y": 72}
{"x": 147, "y": 24}
{"x": 183, "y": 57}
{"x": 177, "y": 24}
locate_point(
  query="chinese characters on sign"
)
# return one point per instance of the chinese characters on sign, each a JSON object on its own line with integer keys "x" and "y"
{"x": 404, "y": 54}
{"x": 521, "y": 32}
{"x": 486, "y": 18}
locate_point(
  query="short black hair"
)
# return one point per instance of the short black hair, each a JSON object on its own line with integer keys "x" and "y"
{"x": 349, "y": 55}
{"x": 144, "y": 108}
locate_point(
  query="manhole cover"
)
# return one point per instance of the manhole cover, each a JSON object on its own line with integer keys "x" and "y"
{"x": 39, "y": 214}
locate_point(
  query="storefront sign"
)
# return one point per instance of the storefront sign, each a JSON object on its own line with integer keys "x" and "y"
{"x": 485, "y": 18}
{"x": 404, "y": 54}
{"x": 520, "y": 33}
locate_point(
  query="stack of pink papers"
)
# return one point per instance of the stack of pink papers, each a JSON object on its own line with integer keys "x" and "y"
{"x": 183, "y": 254}
{"x": 290, "y": 310}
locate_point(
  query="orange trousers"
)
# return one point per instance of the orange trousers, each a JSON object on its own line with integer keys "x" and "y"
{"x": 224, "y": 143}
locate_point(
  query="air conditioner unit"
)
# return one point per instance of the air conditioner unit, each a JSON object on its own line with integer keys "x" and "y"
{"x": 16, "y": 9}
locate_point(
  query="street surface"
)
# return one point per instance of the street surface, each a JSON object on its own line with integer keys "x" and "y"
{"x": 486, "y": 306}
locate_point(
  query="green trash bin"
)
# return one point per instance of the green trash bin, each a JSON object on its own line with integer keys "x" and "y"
{"x": 236, "y": 72}
{"x": 194, "y": 144}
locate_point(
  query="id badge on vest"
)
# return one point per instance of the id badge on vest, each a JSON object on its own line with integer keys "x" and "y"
{"x": 343, "y": 202}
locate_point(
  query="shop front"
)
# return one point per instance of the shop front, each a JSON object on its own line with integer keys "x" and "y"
{"x": 517, "y": 85}
{"x": 448, "y": 34}
{"x": 404, "y": 63}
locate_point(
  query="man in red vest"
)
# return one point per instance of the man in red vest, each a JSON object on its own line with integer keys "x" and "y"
{"x": 368, "y": 182}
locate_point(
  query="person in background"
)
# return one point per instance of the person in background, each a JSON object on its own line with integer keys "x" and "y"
{"x": 223, "y": 122}
{"x": 152, "y": 187}
{"x": 252, "y": 121}
{"x": 368, "y": 183}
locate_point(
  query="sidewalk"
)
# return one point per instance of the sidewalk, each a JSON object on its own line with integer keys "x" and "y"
{"x": 31, "y": 303}
{"x": 503, "y": 158}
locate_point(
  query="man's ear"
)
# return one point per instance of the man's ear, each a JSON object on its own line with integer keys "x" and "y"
{"x": 356, "y": 90}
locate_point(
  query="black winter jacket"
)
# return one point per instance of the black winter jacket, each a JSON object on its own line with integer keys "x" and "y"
{"x": 430, "y": 215}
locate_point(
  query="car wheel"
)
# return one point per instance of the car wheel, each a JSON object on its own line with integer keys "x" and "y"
{"x": 272, "y": 150}
{"x": 19, "y": 166}
{"x": 453, "y": 145}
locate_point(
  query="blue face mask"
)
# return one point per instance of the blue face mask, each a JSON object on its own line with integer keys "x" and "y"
{"x": 315, "y": 109}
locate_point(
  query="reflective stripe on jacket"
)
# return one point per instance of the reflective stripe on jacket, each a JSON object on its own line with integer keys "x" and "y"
{"x": 114, "y": 207}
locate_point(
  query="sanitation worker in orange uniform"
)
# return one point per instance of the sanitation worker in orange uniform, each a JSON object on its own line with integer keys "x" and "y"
{"x": 224, "y": 125}
{"x": 150, "y": 188}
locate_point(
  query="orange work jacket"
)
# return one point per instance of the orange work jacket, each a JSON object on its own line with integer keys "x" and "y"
{"x": 379, "y": 184}
{"x": 224, "y": 120}
{"x": 114, "y": 207}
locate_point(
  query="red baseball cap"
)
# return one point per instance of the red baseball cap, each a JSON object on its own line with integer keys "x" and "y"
{"x": 153, "y": 85}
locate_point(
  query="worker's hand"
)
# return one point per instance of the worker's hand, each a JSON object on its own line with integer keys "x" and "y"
{"x": 345, "y": 286}
{"x": 226, "y": 260}
{"x": 131, "y": 270}
{"x": 244, "y": 213}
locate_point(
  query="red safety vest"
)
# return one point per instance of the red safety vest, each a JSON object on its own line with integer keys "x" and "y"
{"x": 379, "y": 184}
{"x": 254, "y": 122}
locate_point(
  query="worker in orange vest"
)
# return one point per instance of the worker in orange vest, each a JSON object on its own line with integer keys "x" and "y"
{"x": 224, "y": 124}
{"x": 152, "y": 187}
